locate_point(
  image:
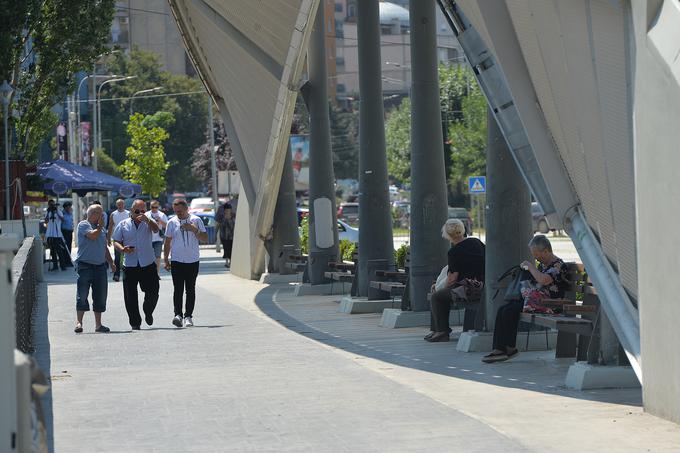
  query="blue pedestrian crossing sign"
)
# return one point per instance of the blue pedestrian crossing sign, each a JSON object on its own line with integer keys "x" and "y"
{"x": 477, "y": 184}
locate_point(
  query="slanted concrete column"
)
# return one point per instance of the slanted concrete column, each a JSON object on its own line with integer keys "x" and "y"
{"x": 428, "y": 177}
{"x": 323, "y": 231}
{"x": 285, "y": 227}
{"x": 375, "y": 218}
{"x": 508, "y": 217}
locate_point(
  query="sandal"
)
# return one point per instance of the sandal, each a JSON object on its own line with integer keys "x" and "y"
{"x": 102, "y": 329}
{"x": 429, "y": 335}
{"x": 495, "y": 357}
{"x": 79, "y": 328}
{"x": 438, "y": 337}
{"x": 513, "y": 354}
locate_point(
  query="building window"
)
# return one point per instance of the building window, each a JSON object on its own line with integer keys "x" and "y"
{"x": 120, "y": 30}
{"x": 340, "y": 88}
{"x": 338, "y": 7}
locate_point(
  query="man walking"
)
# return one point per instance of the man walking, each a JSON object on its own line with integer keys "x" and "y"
{"x": 55, "y": 239}
{"x": 133, "y": 239}
{"x": 67, "y": 225}
{"x": 92, "y": 259}
{"x": 157, "y": 242}
{"x": 227, "y": 227}
{"x": 182, "y": 237}
{"x": 115, "y": 218}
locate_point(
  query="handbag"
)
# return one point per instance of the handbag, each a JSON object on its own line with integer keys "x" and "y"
{"x": 514, "y": 289}
{"x": 441, "y": 279}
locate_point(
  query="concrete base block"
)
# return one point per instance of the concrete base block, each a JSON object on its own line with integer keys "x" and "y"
{"x": 582, "y": 376}
{"x": 356, "y": 305}
{"x": 272, "y": 279}
{"x": 305, "y": 289}
{"x": 472, "y": 341}
{"x": 395, "y": 318}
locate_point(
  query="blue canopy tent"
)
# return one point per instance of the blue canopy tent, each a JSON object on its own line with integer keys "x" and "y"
{"x": 62, "y": 176}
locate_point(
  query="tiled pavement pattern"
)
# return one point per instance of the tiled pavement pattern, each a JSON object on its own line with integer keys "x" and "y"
{"x": 294, "y": 375}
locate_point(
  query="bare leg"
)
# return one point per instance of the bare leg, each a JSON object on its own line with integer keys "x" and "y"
{"x": 80, "y": 315}
{"x": 97, "y": 319}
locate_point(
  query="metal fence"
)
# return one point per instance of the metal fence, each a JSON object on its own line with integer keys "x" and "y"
{"x": 24, "y": 281}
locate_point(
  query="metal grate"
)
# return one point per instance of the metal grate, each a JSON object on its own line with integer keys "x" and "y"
{"x": 25, "y": 281}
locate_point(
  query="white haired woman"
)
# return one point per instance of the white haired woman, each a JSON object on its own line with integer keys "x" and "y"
{"x": 465, "y": 261}
{"x": 550, "y": 280}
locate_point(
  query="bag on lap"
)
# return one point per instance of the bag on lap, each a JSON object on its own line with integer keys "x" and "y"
{"x": 441, "y": 279}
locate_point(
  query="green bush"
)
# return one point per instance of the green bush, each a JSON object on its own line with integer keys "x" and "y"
{"x": 347, "y": 249}
{"x": 304, "y": 235}
{"x": 400, "y": 255}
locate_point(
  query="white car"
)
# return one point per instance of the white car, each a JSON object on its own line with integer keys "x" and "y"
{"x": 198, "y": 205}
{"x": 345, "y": 231}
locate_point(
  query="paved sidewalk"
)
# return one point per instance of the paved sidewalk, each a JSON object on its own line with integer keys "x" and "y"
{"x": 263, "y": 371}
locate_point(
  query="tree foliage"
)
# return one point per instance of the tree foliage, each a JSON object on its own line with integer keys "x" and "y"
{"x": 43, "y": 44}
{"x": 145, "y": 163}
{"x": 201, "y": 166}
{"x": 188, "y": 106}
{"x": 463, "y": 111}
{"x": 345, "y": 142}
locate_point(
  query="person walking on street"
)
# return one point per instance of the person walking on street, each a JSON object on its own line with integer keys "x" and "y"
{"x": 227, "y": 233}
{"x": 55, "y": 239}
{"x": 182, "y": 237}
{"x": 157, "y": 241}
{"x": 132, "y": 238}
{"x": 91, "y": 262}
{"x": 115, "y": 218}
{"x": 67, "y": 225}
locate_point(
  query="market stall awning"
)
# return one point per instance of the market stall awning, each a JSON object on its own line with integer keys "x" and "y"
{"x": 63, "y": 176}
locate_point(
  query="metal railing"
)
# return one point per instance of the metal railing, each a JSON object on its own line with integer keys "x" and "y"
{"x": 26, "y": 272}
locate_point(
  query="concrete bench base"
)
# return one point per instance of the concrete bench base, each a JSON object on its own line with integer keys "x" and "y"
{"x": 272, "y": 279}
{"x": 582, "y": 376}
{"x": 357, "y": 305}
{"x": 395, "y": 318}
{"x": 472, "y": 341}
{"x": 305, "y": 289}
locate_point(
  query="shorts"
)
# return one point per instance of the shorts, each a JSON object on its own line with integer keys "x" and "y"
{"x": 157, "y": 248}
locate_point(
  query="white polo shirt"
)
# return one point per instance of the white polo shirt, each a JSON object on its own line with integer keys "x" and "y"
{"x": 118, "y": 216}
{"x": 184, "y": 247}
{"x": 160, "y": 215}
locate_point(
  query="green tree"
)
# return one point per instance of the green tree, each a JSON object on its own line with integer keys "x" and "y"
{"x": 106, "y": 163}
{"x": 345, "y": 142}
{"x": 145, "y": 163}
{"x": 201, "y": 165}
{"x": 398, "y": 142}
{"x": 43, "y": 44}
{"x": 187, "y": 102}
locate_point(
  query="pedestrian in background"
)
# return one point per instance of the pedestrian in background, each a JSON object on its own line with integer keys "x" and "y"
{"x": 181, "y": 255}
{"x": 91, "y": 262}
{"x": 55, "y": 239}
{"x": 133, "y": 239}
{"x": 67, "y": 225}
{"x": 157, "y": 241}
{"x": 227, "y": 226}
{"x": 115, "y": 218}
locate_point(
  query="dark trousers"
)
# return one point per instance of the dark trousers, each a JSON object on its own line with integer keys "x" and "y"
{"x": 227, "y": 245}
{"x": 117, "y": 258}
{"x": 68, "y": 238}
{"x": 440, "y": 306}
{"x": 507, "y": 322}
{"x": 184, "y": 276}
{"x": 58, "y": 253}
{"x": 147, "y": 278}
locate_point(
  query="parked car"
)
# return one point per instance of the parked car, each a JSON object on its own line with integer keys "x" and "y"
{"x": 349, "y": 212}
{"x": 540, "y": 221}
{"x": 348, "y": 232}
{"x": 203, "y": 204}
{"x": 464, "y": 216}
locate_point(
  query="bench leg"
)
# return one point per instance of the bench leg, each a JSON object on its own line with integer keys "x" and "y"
{"x": 566, "y": 345}
{"x": 583, "y": 343}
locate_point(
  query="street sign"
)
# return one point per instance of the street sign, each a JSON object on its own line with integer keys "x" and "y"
{"x": 477, "y": 184}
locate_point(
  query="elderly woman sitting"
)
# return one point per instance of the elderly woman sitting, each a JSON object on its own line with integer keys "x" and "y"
{"x": 550, "y": 279}
{"x": 466, "y": 261}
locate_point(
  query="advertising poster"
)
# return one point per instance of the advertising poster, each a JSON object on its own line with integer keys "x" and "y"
{"x": 85, "y": 147}
{"x": 62, "y": 145}
{"x": 299, "y": 147}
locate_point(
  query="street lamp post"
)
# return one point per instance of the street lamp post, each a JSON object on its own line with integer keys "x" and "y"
{"x": 150, "y": 90}
{"x": 98, "y": 114}
{"x": 6, "y": 91}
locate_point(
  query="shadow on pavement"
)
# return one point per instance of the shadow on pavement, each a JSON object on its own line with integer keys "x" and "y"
{"x": 540, "y": 373}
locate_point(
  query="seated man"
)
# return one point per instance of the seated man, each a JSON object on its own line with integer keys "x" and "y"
{"x": 550, "y": 276}
{"x": 466, "y": 261}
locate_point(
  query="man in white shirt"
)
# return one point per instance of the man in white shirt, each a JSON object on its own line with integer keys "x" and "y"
{"x": 115, "y": 218}
{"x": 157, "y": 241}
{"x": 182, "y": 237}
{"x": 133, "y": 238}
{"x": 58, "y": 252}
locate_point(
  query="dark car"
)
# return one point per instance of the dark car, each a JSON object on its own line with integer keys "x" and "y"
{"x": 463, "y": 215}
{"x": 349, "y": 212}
{"x": 540, "y": 221}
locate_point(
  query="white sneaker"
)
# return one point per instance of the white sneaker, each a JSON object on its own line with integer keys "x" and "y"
{"x": 177, "y": 321}
{"x": 188, "y": 322}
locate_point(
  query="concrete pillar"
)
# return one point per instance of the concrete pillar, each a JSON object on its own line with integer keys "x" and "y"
{"x": 323, "y": 231}
{"x": 428, "y": 177}
{"x": 375, "y": 218}
{"x": 508, "y": 217}
{"x": 285, "y": 227}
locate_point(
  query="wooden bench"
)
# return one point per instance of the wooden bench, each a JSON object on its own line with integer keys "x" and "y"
{"x": 394, "y": 283}
{"x": 343, "y": 271}
{"x": 573, "y": 321}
